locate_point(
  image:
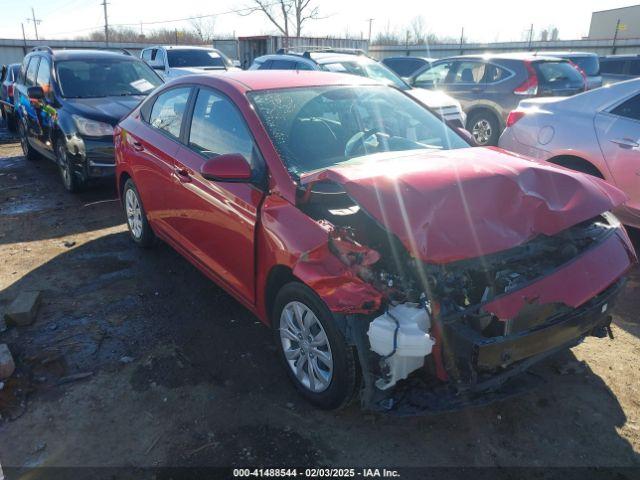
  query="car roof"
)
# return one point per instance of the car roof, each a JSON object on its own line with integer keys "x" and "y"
{"x": 320, "y": 58}
{"x": 530, "y": 56}
{"x": 625, "y": 56}
{"x": 566, "y": 54}
{"x": 410, "y": 57}
{"x": 83, "y": 54}
{"x": 181, "y": 47}
{"x": 254, "y": 80}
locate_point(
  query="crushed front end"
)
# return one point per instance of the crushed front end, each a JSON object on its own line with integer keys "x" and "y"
{"x": 453, "y": 334}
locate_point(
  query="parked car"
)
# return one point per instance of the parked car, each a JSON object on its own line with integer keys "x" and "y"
{"x": 8, "y": 76}
{"x": 405, "y": 67}
{"x": 67, "y": 103}
{"x": 171, "y": 61}
{"x": 490, "y": 86}
{"x": 369, "y": 236}
{"x": 587, "y": 62}
{"x": 597, "y": 132}
{"x": 618, "y": 68}
{"x": 357, "y": 63}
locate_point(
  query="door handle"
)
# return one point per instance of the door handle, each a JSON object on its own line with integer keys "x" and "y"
{"x": 182, "y": 175}
{"x": 137, "y": 146}
{"x": 625, "y": 143}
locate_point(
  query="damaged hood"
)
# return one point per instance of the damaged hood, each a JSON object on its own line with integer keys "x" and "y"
{"x": 452, "y": 205}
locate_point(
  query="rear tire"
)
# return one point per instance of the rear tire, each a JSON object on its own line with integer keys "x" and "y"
{"x": 137, "y": 222}
{"x": 485, "y": 128}
{"x": 315, "y": 355}
{"x": 27, "y": 150}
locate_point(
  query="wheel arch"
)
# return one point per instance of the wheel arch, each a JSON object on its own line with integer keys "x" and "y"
{"x": 278, "y": 277}
{"x": 575, "y": 162}
{"x": 485, "y": 108}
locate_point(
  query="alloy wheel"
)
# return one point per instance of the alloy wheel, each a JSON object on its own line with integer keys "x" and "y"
{"x": 306, "y": 347}
{"x": 134, "y": 213}
{"x": 482, "y": 131}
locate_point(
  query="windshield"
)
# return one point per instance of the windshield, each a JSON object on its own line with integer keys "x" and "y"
{"x": 589, "y": 65}
{"x": 196, "y": 58}
{"x": 367, "y": 68}
{"x": 315, "y": 128}
{"x": 105, "y": 77}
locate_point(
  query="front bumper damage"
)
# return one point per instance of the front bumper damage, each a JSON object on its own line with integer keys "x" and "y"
{"x": 479, "y": 369}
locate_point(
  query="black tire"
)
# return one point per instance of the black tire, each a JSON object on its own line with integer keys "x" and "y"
{"x": 144, "y": 236}
{"x": 27, "y": 150}
{"x": 70, "y": 180}
{"x": 485, "y": 128}
{"x": 345, "y": 378}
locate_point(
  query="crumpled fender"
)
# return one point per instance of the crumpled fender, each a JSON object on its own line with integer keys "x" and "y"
{"x": 291, "y": 238}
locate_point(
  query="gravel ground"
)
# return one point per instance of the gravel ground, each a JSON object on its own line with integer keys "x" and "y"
{"x": 179, "y": 374}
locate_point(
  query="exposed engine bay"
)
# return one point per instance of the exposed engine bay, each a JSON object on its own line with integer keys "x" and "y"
{"x": 445, "y": 306}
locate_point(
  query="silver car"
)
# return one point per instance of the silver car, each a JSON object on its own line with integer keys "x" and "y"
{"x": 597, "y": 132}
{"x": 490, "y": 86}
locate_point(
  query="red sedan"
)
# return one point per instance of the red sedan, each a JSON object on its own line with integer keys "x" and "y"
{"x": 391, "y": 260}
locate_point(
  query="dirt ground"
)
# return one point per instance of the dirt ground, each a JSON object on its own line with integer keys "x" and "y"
{"x": 179, "y": 374}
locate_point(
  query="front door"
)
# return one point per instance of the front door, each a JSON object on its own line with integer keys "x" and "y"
{"x": 215, "y": 221}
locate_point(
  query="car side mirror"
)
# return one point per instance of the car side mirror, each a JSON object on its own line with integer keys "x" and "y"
{"x": 35, "y": 93}
{"x": 229, "y": 167}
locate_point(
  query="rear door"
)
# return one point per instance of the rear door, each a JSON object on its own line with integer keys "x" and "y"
{"x": 44, "y": 107}
{"x": 29, "y": 111}
{"x": 213, "y": 221}
{"x": 618, "y": 131}
{"x": 152, "y": 143}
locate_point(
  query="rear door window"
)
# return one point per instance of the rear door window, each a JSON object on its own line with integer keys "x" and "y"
{"x": 629, "y": 109}
{"x": 168, "y": 111}
{"x": 32, "y": 70}
{"x": 470, "y": 72}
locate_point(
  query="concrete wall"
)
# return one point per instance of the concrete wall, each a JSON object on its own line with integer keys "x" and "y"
{"x": 601, "y": 47}
{"x": 603, "y": 23}
{"x": 13, "y": 50}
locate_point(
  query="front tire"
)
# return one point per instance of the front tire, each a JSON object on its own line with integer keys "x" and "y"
{"x": 69, "y": 179}
{"x": 137, "y": 222}
{"x": 318, "y": 360}
{"x": 484, "y": 127}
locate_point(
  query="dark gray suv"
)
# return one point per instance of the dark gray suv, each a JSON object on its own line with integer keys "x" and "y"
{"x": 490, "y": 86}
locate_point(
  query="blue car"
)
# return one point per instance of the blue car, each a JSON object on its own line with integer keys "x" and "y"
{"x": 8, "y": 76}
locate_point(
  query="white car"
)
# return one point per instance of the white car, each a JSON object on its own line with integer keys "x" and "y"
{"x": 355, "y": 62}
{"x": 172, "y": 61}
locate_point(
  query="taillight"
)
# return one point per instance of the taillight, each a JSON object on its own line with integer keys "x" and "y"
{"x": 584, "y": 75}
{"x": 10, "y": 90}
{"x": 514, "y": 116}
{"x": 530, "y": 86}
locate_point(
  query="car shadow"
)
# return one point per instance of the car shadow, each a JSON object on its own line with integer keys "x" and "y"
{"x": 106, "y": 300}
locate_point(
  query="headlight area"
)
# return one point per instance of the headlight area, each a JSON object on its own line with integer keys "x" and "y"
{"x": 435, "y": 344}
{"x": 92, "y": 128}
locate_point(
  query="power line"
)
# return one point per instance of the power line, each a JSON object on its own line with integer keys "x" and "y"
{"x": 35, "y": 21}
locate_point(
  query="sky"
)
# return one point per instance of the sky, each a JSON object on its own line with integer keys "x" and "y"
{"x": 483, "y": 20}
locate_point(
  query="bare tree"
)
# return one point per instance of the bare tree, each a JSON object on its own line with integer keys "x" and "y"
{"x": 418, "y": 30}
{"x": 203, "y": 28}
{"x": 286, "y": 15}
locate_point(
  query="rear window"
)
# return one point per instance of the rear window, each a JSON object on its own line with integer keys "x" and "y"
{"x": 558, "y": 72}
{"x": 589, "y": 65}
{"x": 196, "y": 58}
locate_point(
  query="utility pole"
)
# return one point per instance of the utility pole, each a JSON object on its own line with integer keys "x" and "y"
{"x": 24, "y": 38}
{"x": 106, "y": 23}
{"x": 461, "y": 41}
{"x": 370, "y": 20}
{"x": 615, "y": 37}
{"x": 530, "y": 36}
{"x": 35, "y": 21}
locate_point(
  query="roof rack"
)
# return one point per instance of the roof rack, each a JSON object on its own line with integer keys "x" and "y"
{"x": 42, "y": 49}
